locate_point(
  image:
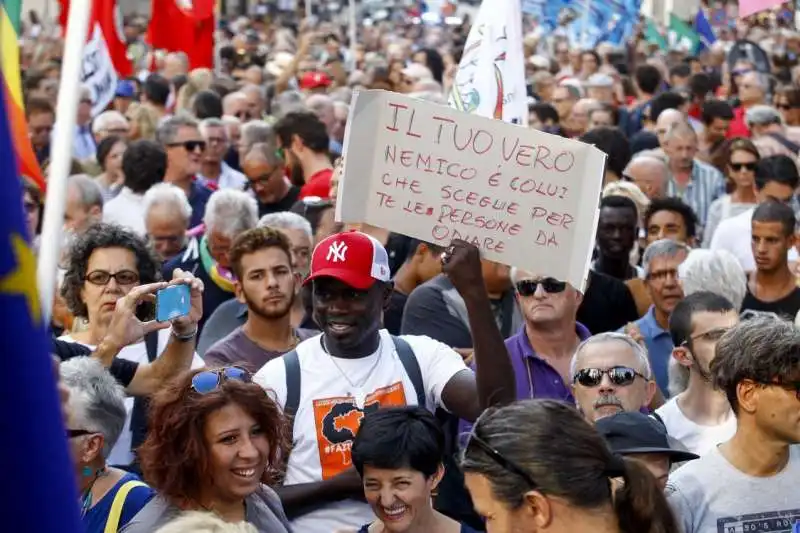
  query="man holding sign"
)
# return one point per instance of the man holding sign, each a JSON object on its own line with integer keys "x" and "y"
{"x": 355, "y": 367}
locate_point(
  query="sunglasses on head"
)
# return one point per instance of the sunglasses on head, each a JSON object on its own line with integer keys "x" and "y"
{"x": 740, "y": 166}
{"x": 210, "y": 380}
{"x": 498, "y": 458}
{"x": 190, "y": 146}
{"x": 528, "y": 287}
{"x": 621, "y": 376}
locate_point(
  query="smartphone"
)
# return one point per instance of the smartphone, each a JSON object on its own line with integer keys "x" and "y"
{"x": 173, "y": 302}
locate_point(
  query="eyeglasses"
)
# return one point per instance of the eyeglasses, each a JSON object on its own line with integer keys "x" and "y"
{"x": 738, "y": 167}
{"x": 710, "y": 335}
{"x": 72, "y": 433}
{"x": 190, "y": 146}
{"x": 264, "y": 178}
{"x": 102, "y": 277}
{"x": 621, "y": 376}
{"x": 211, "y": 380}
{"x": 528, "y": 287}
{"x": 783, "y": 107}
{"x": 498, "y": 458}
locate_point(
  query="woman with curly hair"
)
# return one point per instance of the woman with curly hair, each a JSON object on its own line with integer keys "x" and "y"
{"x": 215, "y": 439}
{"x": 104, "y": 265}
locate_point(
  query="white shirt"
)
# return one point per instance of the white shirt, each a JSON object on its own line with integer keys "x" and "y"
{"x": 121, "y": 452}
{"x": 696, "y": 438}
{"x": 127, "y": 210}
{"x": 735, "y": 235}
{"x": 327, "y": 417}
{"x": 228, "y": 178}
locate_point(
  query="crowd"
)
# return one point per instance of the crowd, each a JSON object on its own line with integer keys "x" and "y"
{"x": 334, "y": 378}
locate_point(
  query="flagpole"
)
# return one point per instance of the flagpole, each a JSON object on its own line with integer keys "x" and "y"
{"x": 308, "y": 9}
{"x": 584, "y": 27}
{"x": 80, "y": 12}
{"x": 352, "y": 29}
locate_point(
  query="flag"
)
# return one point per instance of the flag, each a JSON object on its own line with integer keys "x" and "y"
{"x": 12, "y": 90}
{"x": 704, "y": 30}
{"x": 681, "y": 36}
{"x": 490, "y": 80}
{"x": 749, "y": 7}
{"x": 184, "y": 26}
{"x": 108, "y": 16}
{"x": 35, "y": 454}
{"x": 653, "y": 35}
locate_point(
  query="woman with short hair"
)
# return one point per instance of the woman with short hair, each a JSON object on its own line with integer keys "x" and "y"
{"x": 399, "y": 453}
{"x": 539, "y": 464}
{"x": 215, "y": 441}
{"x": 110, "y": 497}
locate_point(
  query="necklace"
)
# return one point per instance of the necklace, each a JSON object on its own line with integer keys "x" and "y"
{"x": 86, "y": 498}
{"x": 357, "y": 391}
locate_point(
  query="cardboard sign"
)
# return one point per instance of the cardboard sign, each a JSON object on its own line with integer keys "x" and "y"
{"x": 526, "y": 198}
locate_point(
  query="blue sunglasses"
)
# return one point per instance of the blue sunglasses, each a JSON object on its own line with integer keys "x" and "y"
{"x": 210, "y": 380}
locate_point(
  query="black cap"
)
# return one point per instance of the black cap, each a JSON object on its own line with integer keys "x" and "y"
{"x": 634, "y": 432}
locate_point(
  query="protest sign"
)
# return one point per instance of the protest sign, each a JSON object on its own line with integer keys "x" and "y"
{"x": 98, "y": 73}
{"x": 525, "y": 198}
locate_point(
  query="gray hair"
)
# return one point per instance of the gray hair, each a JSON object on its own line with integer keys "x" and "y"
{"x": 166, "y": 194}
{"x": 662, "y": 248}
{"x": 252, "y": 88}
{"x": 287, "y": 102}
{"x": 96, "y": 400}
{"x": 762, "y": 349}
{"x": 286, "y": 220}
{"x": 256, "y": 131}
{"x": 89, "y": 191}
{"x": 211, "y": 122}
{"x": 168, "y": 129}
{"x": 268, "y": 151}
{"x": 680, "y": 129}
{"x": 105, "y": 119}
{"x": 612, "y": 336}
{"x": 762, "y": 115}
{"x": 231, "y": 212}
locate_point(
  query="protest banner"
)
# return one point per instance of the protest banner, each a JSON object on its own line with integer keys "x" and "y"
{"x": 526, "y": 198}
{"x": 97, "y": 72}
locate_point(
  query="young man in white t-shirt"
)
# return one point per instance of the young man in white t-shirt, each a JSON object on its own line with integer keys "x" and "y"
{"x": 700, "y": 417}
{"x": 749, "y": 483}
{"x": 355, "y": 366}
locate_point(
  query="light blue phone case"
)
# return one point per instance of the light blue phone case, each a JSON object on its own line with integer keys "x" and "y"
{"x": 173, "y": 302}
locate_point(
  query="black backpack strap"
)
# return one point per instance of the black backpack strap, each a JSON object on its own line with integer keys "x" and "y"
{"x": 411, "y": 365}
{"x": 789, "y": 145}
{"x": 291, "y": 361}
{"x": 151, "y": 344}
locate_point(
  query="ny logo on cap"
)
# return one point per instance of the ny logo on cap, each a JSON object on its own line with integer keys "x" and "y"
{"x": 336, "y": 252}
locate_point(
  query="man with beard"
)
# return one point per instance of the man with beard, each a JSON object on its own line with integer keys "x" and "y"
{"x": 304, "y": 141}
{"x": 700, "y": 417}
{"x": 265, "y": 282}
{"x": 610, "y": 374}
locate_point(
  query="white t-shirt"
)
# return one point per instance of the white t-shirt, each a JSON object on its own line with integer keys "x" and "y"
{"x": 327, "y": 418}
{"x": 121, "y": 452}
{"x": 696, "y": 438}
{"x": 734, "y": 235}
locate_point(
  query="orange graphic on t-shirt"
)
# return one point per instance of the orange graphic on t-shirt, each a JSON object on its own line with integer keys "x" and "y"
{"x": 337, "y": 421}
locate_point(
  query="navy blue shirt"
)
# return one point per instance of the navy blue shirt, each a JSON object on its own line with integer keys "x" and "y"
{"x": 198, "y": 198}
{"x": 96, "y": 517}
{"x": 464, "y": 529}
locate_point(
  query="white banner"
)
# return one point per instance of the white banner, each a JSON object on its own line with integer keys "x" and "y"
{"x": 98, "y": 73}
{"x": 525, "y": 198}
{"x": 490, "y": 80}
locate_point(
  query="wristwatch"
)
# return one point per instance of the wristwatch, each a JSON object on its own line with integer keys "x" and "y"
{"x": 186, "y": 337}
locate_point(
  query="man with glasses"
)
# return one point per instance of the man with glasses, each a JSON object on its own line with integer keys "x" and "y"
{"x": 181, "y": 139}
{"x": 263, "y": 168}
{"x": 214, "y": 170}
{"x": 660, "y": 261}
{"x": 610, "y": 373}
{"x": 749, "y": 483}
{"x": 700, "y": 417}
{"x": 166, "y": 217}
{"x": 776, "y": 178}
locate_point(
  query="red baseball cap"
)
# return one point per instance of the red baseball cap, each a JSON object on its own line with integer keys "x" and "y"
{"x": 353, "y": 258}
{"x": 314, "y": 80}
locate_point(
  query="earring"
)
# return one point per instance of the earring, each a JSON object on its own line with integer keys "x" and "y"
{"x": 86, "y": 471}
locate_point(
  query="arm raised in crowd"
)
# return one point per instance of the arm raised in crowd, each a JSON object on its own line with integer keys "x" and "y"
{"x": 468, "y": 393}
{"x": 126, "y": 329}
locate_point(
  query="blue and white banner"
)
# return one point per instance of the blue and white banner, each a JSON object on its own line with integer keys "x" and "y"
{"x": 587, "y": 23}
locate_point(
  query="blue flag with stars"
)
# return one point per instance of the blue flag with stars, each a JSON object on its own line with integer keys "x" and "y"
{"x": 35, "y": 462}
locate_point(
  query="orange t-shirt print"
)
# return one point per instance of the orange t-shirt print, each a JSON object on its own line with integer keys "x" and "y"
{"x": 337, "y": 421}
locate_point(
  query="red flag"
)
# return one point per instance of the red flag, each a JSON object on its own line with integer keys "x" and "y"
{"x": 108, "y": 15}
{"x": 184, "y": 26}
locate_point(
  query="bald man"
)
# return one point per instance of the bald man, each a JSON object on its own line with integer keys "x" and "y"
{"x": 578, "y": 122}
{"x": 322, "y": 106}
{"x": 236, "y": 105}
{"x": 696, "y": 183}
{"x": 650, "y": 173}
{"x": 175, "y": 64}
{"x": 667, "y": 119}
{"x": 256, "y": 100}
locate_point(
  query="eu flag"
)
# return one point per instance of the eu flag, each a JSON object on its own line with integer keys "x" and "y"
{"x": 42, "y": 494}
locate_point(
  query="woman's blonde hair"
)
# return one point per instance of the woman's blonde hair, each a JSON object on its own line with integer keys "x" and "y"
{"x": 202, "y": 522}
{"x": 146, "y": 122}
{"x": 629, "y": 190}
{"x": 200, "y": 79}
